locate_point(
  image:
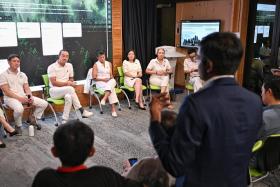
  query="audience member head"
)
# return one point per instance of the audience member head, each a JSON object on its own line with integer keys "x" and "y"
{"x": 168, "y": 119}
{"x": 192, "y": 52}
{"x": 14, "y": 61}
{"x": 271, "y": 91}
{"x": 220, "y": 55}
{"x": 101, "y": 57}
{"x": 73, "y": 143}
{"x": 131, "y": 55}
{"x": 160, "y": 53}
{"x": 63, "y": 57}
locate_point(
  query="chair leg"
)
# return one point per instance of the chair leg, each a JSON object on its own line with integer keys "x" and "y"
{"x": 258, "y": 179}
{"x": 100, "y": 106}
{"x": 76, "y": 112}
{"x": 119, "y": 106}
{"x": 144, "y": 100}
{"x": 150, "y": 95}
{"x": 126, "y": 99}
{"x": 3, "y": 131}
{"x": 55, "y": 116}
{"x": 90, "y": 98}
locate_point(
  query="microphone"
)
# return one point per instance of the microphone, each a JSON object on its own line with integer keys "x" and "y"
{"x": 28, "y": 96}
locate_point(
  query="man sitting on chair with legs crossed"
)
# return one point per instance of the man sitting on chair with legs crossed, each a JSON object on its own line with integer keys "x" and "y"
{"x": 15, "y": 87}
{"x": 62, "y": 85}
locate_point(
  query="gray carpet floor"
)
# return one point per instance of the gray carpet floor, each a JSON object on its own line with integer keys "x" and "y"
{"x": 116, "y": 139}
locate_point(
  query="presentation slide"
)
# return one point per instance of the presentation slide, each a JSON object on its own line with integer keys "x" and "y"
{"x": 266, "y": 31}
{"x": 8, "y": 34}
{"x": 3, "y": 65}
{"x": 72, "y": 29}
{"x": 51, "y": 38}
{"x": 193, "y": 32}
{"x": 28, "y": 30}
{"x": 38, "y": 29}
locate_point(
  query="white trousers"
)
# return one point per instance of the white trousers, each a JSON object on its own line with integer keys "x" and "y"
{"x": 109, "y": 86}
{"x": 70, "y": 97}
{"x": 196, "y": 82}
{"x": 16, "y": 106}
{"x": 160, "y": 81}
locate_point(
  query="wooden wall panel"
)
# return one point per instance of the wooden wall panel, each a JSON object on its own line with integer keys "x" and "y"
{"x": 240, "y": 13}
{"x": 232, "y": 13}
{"x": 117, "y": 34}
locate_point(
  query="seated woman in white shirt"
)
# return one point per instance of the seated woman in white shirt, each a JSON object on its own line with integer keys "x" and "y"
{"x": 102, "y": 74}
{"x": 7, "y": 127}
{"x": 159, "y": 69}
{"x": 132, "y": 76}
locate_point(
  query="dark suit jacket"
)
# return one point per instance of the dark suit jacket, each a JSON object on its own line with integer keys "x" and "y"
{"x": 215, "y": 131}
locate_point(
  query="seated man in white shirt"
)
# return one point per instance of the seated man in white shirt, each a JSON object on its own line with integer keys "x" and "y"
{"x": 15, "y": 87}
{"x": 62, "y": 85}
{"x": 191, "y": 68}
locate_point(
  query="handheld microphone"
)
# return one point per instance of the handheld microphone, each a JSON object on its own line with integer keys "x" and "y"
{"x": 28, "y": 96}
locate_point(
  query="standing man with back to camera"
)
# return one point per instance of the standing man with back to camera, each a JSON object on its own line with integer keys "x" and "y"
{"x": 62, "y": 85}
{"x": 216, "y": 127}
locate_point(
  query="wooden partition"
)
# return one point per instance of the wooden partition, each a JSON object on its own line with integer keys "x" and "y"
{"x": 232, "y": 13}
{"x": 117, "y": 34}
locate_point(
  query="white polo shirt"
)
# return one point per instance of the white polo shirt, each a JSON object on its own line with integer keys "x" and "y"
{"x": 14, "y": 80}
{"x": 155, "y": 65}
{"x": 189, "y": 64}
{"x": 62, "y": 73}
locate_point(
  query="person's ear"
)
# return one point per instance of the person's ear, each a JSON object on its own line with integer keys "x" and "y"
{"x": 270, "y": 91}
{"x": 54, "y": 152}
{"x": 91, "y": 152}
{"x": 209, "y": 66}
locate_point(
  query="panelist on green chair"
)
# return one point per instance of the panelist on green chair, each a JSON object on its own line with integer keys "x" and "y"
{"x": 62, "y": 85}
{"x": 103, "y": 76}
{"x": 132, "y": 72}
{"x": 159, "y": 70}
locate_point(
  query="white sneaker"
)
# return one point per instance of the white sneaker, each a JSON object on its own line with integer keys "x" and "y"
{"x": 114, "y": 114}
{"x": 63, "y": 121}
{"x": 102, "y": 102}
{"x": 86, "y": 114}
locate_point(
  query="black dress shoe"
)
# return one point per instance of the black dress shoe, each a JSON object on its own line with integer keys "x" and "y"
{"x": 142, "y": 108}
{"x": 38, "y": 126}
{"x": 15, "y": 132}
{"x": 2, "y": 145}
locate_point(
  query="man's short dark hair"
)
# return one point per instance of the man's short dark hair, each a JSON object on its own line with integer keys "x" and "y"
{"x": 192, "y": 50}
{"x": 62, "y": 50}
{"x": 73, "y": 142}
{"x": 274, "y": 85}
{"x": 100, "y": 53}
{"x": 11, "y": 56}
{"x": 224, "y": 49}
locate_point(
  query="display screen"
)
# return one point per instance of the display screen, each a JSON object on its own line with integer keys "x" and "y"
{"x": 38, "y": 29}
{"x": 192, "y": 32}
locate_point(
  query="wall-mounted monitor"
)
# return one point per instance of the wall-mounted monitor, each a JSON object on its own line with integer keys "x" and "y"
{"x": 192, "y": 31}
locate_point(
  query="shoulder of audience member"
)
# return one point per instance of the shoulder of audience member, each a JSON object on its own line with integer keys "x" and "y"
{"x": 44, "y": 174}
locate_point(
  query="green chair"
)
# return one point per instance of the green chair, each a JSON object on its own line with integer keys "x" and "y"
{"x": 97, "y": 93}
{"x": 46, "y": 96}
{"x": 189, "y": 86}
{"x": 126, "y": 87}
{"x": 267, "y": 157}
{"x": 154, "y": 88}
